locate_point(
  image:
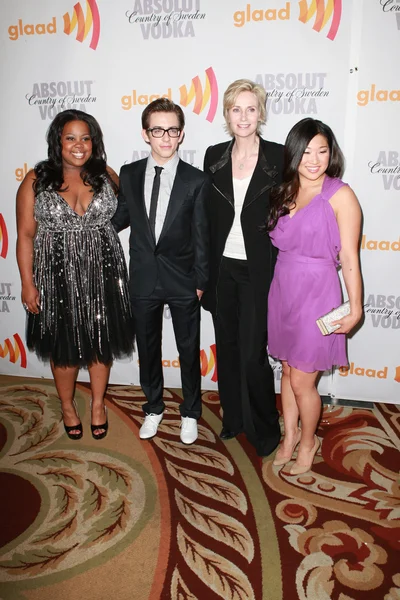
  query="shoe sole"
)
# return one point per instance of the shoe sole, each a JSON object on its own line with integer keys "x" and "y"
{"x": 150, "y": 437}
{"x": 188, "y": 443}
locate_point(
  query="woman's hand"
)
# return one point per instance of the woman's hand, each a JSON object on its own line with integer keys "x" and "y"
{"x": 347, "y": 323}
{"x": 30, "y": 299}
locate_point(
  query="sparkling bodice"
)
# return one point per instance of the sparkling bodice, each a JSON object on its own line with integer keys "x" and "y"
{"x": 53, "y": 213}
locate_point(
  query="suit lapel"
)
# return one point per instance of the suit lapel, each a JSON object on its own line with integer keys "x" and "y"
{"x": 222, "y": 181}
{"x": 179, "y": 193}
{"x": 222, "y": 175}
{"x": 137, "y": 187}
{"x": 264, "y": 178}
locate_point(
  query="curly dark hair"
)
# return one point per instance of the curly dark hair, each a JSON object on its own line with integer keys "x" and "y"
{"x": 49, "y": 173}
{"x": 284, "y": 195}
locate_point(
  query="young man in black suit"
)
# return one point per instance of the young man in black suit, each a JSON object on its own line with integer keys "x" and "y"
{"x": 162, "y": 199}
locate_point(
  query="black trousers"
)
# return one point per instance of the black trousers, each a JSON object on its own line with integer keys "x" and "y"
{"x": 245, "y": 377}
{"x": 148, "y": 321}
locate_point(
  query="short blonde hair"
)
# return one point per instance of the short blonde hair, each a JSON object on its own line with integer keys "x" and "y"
{"x": 236, "y": 88}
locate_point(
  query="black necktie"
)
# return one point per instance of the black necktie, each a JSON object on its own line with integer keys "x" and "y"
{"x": 154, "y": 200}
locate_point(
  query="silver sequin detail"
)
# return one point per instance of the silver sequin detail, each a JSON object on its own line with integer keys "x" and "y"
{"x": 72, "y": 256}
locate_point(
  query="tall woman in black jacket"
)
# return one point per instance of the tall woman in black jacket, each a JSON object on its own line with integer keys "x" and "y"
{"x": 242, "y": 260}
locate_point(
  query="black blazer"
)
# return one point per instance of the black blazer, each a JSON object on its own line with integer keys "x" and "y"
{"x": 179, "y": 260}
{"x": 261, "y": 255}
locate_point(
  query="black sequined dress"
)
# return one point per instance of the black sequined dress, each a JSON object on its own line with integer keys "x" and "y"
{"x": 80, "y": 273}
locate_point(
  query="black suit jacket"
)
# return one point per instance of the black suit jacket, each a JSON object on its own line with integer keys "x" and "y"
{"x": 261, "y": 255}
{"x": 179, "y": 260}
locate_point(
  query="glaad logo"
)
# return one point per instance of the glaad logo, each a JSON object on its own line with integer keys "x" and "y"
{"x": 165, "y": 18}
{"x": 364, "y": 97}
{"x": 392, "y": 6}
{"x": 384, "y": 311}
{"x": 295, "y": 93}
{"x": 363, "y": 372}
{"x": 21, "y": 172}
{"x": 206, "y": 364}
{"x": 3, "y": 237}
{"x": 324, "y": 12}
{"x": 136, "y": 99}
{"x": 56, "y": 96}
{"x": 388, "y": 165}
{"x": 84, "y": 25}
{"x": 331, "y": 12}
{"x": 16, "y": 31}
{"x": 14, "y": 353}
{"x": 385, "y": 245}
{"x": 240, "y": 17}
{"x": 202, "y": 96}
{"x": 209, "y": 364}
{"x": 5, "y": 297}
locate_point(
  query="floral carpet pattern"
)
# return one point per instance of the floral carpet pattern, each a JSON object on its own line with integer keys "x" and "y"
{"x": 156, "y": 519}
{"x": 343, "y": 518}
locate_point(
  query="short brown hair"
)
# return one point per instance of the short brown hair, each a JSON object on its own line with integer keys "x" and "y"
{"x": 162, "y": 105}
{"x": 245, "y": 85}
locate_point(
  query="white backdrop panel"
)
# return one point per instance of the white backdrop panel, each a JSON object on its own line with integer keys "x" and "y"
{"x": 190, "y": 50}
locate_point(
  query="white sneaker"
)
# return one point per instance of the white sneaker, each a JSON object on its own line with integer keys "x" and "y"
{"x": 150, "y": 426}
{"x": 188, "y": 430}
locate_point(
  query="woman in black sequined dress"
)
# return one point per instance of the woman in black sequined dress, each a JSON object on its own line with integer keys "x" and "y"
{"x": 72, "y": 266}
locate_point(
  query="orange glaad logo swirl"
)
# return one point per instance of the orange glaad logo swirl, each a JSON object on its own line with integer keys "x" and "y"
{"x": 84, "y": 25}
{"x": 3, "y": 237}
{"x": 14, "y": 353}
{"x": 207, "y": 364}
{"x": 323, "y": 11}
{"x": 202, "y": 95}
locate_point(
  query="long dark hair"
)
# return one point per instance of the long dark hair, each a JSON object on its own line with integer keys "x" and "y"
{"x": 284, "y": 196}
{"x": 49, "y": 173}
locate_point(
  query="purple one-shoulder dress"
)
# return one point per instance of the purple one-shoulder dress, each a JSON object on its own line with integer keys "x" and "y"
{"x": 306, "y": 285}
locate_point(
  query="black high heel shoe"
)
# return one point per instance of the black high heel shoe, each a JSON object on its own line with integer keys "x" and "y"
{"x": 79, "y": 428}
{"x": 104, "y": 426}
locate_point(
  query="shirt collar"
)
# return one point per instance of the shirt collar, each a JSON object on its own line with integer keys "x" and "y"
{"x": 169, "y": 166}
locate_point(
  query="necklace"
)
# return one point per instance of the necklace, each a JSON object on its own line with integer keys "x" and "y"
{"x": 241, "y": 163}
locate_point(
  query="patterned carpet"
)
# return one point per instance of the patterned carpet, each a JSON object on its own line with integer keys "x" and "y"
{"x": 131, "y": 520}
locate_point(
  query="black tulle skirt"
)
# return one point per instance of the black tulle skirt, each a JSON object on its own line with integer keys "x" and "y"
{"x": 85, "y": 314}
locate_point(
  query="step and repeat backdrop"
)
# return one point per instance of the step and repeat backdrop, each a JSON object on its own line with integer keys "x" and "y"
{"x": 333, "y": 60}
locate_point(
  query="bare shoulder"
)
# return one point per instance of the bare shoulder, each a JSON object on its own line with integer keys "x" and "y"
{"x": 113, "y": 175}
{"x": 344, "y": 199}
{"x": 26, "y": 186}
{"x": 29, "y": 179}
{"x": 25, "y": 205}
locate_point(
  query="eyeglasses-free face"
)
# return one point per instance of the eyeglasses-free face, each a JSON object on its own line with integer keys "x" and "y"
{"x": 158, "y": 132}
{"x": 163, "y": 135}
{"x": 244, "y": 115}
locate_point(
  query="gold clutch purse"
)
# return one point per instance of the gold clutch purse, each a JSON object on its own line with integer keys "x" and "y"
{"x": 325, "y": 322}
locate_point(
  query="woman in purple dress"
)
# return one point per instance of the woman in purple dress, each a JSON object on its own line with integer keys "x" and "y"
{"x": 314, "y": 218}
